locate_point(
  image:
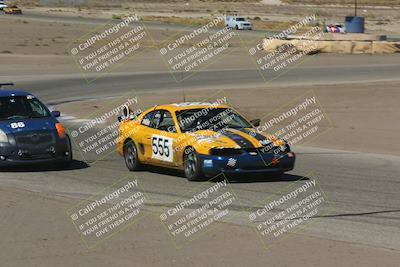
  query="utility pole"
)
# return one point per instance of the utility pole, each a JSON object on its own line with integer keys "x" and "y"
{"x": 355, "y": 8}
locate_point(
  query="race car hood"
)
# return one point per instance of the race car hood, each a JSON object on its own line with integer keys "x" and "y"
{"x": 16, "y": 126}
{"x": 235, "y": 138}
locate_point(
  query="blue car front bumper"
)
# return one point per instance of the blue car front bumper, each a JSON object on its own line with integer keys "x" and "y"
{"x": 247, "y": 163}
{"x": 12, "y": 155}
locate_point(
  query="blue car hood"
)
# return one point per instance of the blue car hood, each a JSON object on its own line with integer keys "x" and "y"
{"x": 29, "y": 125}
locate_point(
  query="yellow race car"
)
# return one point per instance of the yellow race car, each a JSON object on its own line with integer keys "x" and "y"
{"x": 200, "y": 139}
{"x": 12, "y": 10}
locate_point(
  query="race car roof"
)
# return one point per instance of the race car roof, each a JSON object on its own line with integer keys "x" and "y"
{"x": 4, "y": 93}
{"x": 190, "y": 105}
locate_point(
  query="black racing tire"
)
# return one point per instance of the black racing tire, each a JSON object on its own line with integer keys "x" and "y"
{"x": 68, "y": 161}
{"x": 131, "y": 156}
{"x": 191, "y": 165}
{"x": 277, "y": 175}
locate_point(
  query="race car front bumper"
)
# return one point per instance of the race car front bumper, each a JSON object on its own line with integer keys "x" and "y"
{"x": 12, "y": 155}
{"x": 245, "y": 27}
{"x": 213, "y": 165}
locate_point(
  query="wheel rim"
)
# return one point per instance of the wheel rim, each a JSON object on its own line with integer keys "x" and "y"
{"x": 191, "y": 165}
{"x": 130, "y": 155}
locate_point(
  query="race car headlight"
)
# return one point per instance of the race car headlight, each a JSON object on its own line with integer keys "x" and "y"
{"x": 208, "y": 163}
{"x": 3, "y": 137}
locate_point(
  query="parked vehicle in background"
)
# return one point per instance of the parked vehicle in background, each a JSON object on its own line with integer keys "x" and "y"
{"x": 2, "y": 5}
{"x": 238, "y": 23}
{"x": 12, "y": 10}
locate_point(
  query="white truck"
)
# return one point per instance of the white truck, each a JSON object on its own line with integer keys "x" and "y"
{"x": 2, "y": 5}
{"x": 238, "y": 23}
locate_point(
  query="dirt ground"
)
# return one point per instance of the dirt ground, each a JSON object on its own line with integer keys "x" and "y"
{"x": 34, "y": 236}
{"x": 380, "y": 19}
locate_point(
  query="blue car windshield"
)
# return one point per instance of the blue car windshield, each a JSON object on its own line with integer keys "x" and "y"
{"x": 22, "y": 107}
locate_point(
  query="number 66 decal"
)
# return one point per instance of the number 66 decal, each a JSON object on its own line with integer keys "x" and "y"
{"x": 162, "y": 148}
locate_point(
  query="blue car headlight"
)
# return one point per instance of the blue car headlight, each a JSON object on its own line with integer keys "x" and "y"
{"x": 3, "y": 137}
{"x": 208, "y": 163}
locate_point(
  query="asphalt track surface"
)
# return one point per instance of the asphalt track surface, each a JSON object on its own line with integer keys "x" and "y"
{"x": 362, "y": 189}
{"x": 55, "y": 89}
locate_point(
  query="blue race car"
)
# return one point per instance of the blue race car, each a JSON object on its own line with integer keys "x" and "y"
{"x": 29, "y": 132}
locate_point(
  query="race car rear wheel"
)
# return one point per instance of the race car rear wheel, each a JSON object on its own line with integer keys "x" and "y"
{"x": 131, "y": 156}
{"x": 191, "y": 165}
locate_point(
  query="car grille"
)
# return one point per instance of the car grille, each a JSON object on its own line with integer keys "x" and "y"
{"x": 35, "y": 139}
{"x": 35, "y": 145}
{"x": 234, "y": 151}
{"x": 226, "y": 152}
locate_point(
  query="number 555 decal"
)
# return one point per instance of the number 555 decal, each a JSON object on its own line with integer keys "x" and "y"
{"x": 162, "y": 148}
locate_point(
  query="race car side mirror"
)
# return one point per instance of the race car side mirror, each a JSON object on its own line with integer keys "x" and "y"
{"x": 56, "y": 113}
{"x": 126, "y": 111}
{"x": 125, "y": 114}
{"x": 256, "y": 122}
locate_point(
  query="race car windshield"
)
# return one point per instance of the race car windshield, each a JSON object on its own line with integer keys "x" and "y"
{"x": 22, "y": 107}
{"x": 240, "y": 19}
{"x": 213, "y": 119}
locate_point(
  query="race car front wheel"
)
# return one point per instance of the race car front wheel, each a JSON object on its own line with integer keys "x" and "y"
{"x": 131, "y": 156}
{"x": 191, "y": 165}
{"x": 68, "y": 161}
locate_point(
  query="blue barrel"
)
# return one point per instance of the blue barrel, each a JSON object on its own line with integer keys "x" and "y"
{"x": 354, "y": 24}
